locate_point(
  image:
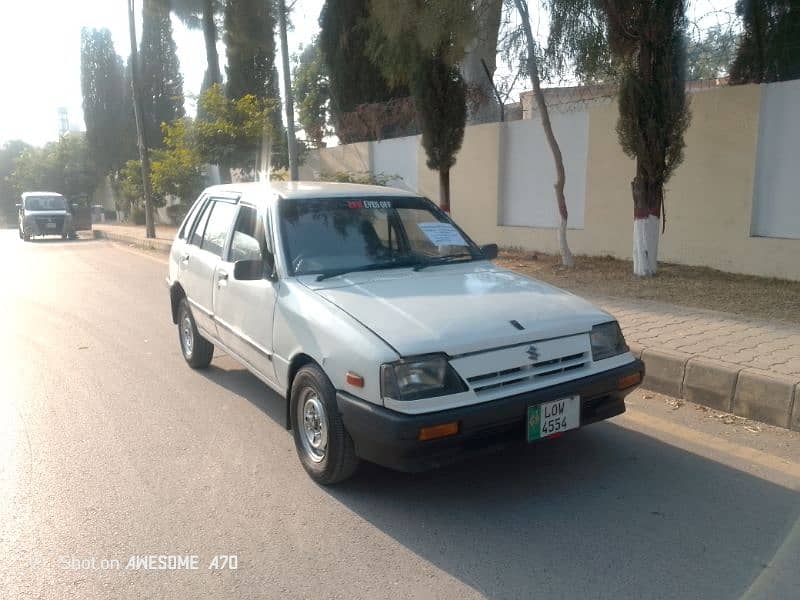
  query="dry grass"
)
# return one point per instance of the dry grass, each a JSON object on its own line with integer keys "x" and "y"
{"x": 699, "y": 287}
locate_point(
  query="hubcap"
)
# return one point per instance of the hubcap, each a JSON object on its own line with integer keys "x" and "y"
{"x": 187, "y": 335}
{"x": 314, "y": 423}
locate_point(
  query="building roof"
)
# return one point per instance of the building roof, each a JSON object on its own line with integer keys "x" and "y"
{"x": 309, "y": 189}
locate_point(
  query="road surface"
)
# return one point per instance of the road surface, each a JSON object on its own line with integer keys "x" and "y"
{"x": 113, "y": 451}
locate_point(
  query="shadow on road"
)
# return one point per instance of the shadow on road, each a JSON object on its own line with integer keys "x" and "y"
{"x": 605, "y": 512}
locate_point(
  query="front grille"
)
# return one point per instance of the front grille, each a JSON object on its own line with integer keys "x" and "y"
{"x": 531, "y": 373}
{"x": 42, "y": 224}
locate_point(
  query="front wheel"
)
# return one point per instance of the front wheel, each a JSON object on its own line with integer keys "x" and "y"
{"x": 325, "y": 448}
{"x": 197, "y": 351}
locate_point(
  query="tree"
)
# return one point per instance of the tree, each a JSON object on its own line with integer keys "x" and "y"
{"x": 10, "y": 152}
{"x": 177, "y": 168}
{"x": 532, "y": 68}
{"x": 65, "y": 167}
{"x": 768, "y": 48}
{"x": 161, "y": 79}
{"x": 202, "y": 14}
{"x": 250, "y": 49}
{"x": 440, "y": 94}
{"x": 231, "y": 130}
{"x": 480, "y": 55}
{"x": 422, "y": 43}
{"x": 104, "y": 102}
{"x": 353, "y": 78}
{"x": 647, "y": 39}
{"x": 312, "y": 92}
{"x": 710, "y": 57}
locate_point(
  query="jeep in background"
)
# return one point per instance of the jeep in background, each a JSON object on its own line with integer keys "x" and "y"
{"x": 49, "y": 213}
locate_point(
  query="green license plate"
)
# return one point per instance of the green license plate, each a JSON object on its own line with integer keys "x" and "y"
{"x": 556, "y": 416}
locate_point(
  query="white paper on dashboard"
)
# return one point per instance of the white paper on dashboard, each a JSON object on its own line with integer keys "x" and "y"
{"x": 442, "y": 234}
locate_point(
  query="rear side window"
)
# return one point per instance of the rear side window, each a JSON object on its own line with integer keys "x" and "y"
{"x": 197, "y": 235}
{"x": 218, "y": 226}
{"x": 190, "y": 219}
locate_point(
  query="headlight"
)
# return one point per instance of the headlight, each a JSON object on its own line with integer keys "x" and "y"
{"x": 607, "y": 341}
{"x": 419, "y": 377}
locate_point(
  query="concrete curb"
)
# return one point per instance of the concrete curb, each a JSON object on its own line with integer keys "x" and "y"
{"x": 760, "y": 395}
{"x": 158, "y": 245}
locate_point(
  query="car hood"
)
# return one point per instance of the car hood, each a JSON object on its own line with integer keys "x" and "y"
{"x": 458, "y": 308}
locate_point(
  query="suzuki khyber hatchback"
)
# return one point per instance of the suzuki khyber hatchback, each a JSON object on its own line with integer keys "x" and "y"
{"x": 388, "y": 331}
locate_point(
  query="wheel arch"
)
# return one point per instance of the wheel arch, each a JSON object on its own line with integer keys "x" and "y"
{"x": 176, "y": 294}
{"x": 298, "y": 361}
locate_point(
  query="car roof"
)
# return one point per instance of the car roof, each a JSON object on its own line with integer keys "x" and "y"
{"x": 265, "y": 191}
{"x": 56, "y": 194}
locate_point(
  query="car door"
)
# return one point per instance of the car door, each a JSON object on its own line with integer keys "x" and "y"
{"x": 201, "y": 256}
{"x": 244, "y": 310}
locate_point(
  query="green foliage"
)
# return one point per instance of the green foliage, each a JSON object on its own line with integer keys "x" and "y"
{"x": 104, "y": 101}
{"x": 312, "y": 93}
{"x": 353, "y": 78}
{"x": 9, "y": 192}
{"x": 177, "y": 168}
{"x": 130, "y": 186}
{"x": 769, "y": 49}
{"x": 231, "y": 131}
{"x": 441, "y": 100}
{"x": 711, "y": 56}
{"x": 65, "y": 167}
{"x": 161, "y": 79}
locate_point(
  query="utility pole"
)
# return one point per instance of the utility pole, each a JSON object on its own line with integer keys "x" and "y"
{"x": 141, "y": 141}
{"x": 287, "y": 84}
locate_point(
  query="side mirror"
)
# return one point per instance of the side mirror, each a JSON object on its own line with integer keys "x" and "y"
{"x": 248, "y": 270}
{"x": 489, "y": 251}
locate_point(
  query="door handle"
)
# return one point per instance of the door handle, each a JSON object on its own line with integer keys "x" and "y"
{"x": 222, "y": 277}
{"x": 185, "y": 258}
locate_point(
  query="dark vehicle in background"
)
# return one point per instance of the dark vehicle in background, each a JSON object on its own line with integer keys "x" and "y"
{"x": 49, "y": 213}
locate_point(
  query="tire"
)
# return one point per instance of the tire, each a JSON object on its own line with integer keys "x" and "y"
{"x": 197, "y": 351}
{"x": 313, "y": 397}
{"x": 19, "y": 230}
{"x": 63, "y": 236}
{"x": 26, "y": 237}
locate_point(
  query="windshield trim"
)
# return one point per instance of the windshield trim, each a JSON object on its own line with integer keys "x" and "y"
{"x": 426, "y": 203}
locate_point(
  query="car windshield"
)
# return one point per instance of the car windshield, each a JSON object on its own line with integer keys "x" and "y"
{"x": 46, "y": 203}
{"x": 330, "y": 236}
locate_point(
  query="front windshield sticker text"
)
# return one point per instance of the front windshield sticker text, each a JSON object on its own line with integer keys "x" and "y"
{"x": 369, "y": 204}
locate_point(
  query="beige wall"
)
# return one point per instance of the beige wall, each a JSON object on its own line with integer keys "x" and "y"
{"x": 709, "y": 200}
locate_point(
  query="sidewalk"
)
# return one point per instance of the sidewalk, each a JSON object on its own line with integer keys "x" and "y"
{"x": 737, "y": 364}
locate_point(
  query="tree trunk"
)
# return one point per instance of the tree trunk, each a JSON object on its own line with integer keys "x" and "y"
{"x": 482, "y": 106}
{"x": 555, "y": 149}
{"x": 141, "y": 140}
{"x": 444, "y": 190}
{"x": 647, "y": 197}
{"x": 213, "y": 74}
{"x": 287, "y": 85}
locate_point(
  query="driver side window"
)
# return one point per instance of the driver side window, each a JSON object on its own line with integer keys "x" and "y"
{"x": 249, "y": 240}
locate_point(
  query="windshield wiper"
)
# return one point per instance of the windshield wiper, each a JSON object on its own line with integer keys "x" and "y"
{"x": 447, "y": 258}
{"x": 372, "y": 267}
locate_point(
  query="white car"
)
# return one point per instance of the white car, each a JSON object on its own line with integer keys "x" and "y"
{"x": 44, "y": 213}
{"x": 390, "y": 334}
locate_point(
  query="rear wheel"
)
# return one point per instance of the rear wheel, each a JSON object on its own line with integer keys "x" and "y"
{"x": 325, "y": 448}
{"x": 197, "y": 351}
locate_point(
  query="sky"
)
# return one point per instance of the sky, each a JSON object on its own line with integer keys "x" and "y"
{"x": 40, "y": 58}
{"x": 40, "y": 55}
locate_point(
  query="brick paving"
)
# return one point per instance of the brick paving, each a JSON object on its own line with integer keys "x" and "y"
{"x": 770, "y": 346}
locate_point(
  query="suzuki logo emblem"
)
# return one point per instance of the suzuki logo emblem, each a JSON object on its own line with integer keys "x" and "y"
{"x": 532, "y": 353}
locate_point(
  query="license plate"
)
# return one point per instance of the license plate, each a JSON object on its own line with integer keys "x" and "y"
{"x": 50, "y": 225}
{"x": 549, "y": 418}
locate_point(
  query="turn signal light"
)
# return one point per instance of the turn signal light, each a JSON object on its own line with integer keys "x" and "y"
{"x": 437, "y": 431}
{"x": 354, "y": 380}
{"x": 629, "y": 381}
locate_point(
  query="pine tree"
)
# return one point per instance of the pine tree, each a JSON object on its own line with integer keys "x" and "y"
{"x": 104, "y": 101}
{"x": 161, "y": 79}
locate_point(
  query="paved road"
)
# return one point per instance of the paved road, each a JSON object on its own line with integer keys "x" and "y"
{"x": 110, "y": 447}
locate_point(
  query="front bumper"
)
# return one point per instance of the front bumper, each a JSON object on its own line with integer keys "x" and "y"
{"x": 389, "y": 438}
{"x": 55, "y": 225}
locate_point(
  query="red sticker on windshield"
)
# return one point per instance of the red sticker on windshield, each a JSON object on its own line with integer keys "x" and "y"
{"x": 355, "y": 204}
{"x": 369, "y": 204}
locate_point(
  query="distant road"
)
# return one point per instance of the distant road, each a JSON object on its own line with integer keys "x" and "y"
{"x": 111, "y": 449}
